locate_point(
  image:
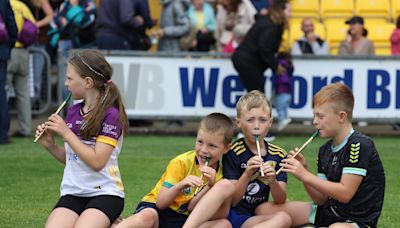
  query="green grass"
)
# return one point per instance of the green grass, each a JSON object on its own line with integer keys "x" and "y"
{"x": 30, "y": 177}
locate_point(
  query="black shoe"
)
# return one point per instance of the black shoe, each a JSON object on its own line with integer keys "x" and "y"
{"x": 19, "y": 134}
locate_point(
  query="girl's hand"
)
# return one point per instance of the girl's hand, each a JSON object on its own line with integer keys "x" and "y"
{"x": 190, "y": 181}
{"x": 209, "y": 173}
{"x": 253, "y": 164}
{"x": 58, "y": 125}
{"x": 269, "y": 174}
{"x": 47, "y": 139}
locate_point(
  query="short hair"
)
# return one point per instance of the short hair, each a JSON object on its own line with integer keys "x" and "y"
{"x": 219, "y": 123}
{"x": 339, "y": 95}
{"x": 253, "y": 99}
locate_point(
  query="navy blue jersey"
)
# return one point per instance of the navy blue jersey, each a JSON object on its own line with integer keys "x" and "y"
{"x": 234, "y": 165}
{"x": 356, "y": 155}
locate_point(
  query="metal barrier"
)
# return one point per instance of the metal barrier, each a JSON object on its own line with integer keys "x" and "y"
{"x": 39, "y": 82}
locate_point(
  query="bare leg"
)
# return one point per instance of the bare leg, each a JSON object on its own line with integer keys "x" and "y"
{"x": 299, "y": 212}
{"x": 61, "y": 217}
{"x": 278, "y": 220}
{"x": 147, "y": 218}
{"x": 220, "y": 223}
{"x": 215, "y": 204}
{"x": 92, "y": 218}
{"x": 342, "y": 225}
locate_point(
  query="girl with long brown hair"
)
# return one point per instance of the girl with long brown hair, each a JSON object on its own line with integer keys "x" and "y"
{"x": 92, "y": 193}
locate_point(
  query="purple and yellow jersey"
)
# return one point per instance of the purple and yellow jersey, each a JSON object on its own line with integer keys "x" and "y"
{"x": 178, "y": 169}
{"x": 79, "y": 179}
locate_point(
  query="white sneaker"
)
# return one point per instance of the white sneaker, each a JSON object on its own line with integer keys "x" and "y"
{"x": 282, "y": 124}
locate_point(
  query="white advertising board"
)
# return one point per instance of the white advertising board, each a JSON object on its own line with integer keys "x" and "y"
{"x": 156, "y": 87}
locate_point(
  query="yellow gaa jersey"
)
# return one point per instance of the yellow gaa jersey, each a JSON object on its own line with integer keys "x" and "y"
{"x": 178, "y": 169}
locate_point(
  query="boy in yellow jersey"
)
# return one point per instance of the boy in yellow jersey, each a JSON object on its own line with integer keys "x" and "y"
{"x": 243, "y": 166}
{"x": 173, "y": 198}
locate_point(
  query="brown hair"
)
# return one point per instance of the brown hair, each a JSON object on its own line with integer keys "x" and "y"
{"x": 253, "y": 99}
{"x": 339, "y": 95}
{"x": 91, "y": 63}
{"x": 276, "y": 12}
{"x": 219, "y": 123}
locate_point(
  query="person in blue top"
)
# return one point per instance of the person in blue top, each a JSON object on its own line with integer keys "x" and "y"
{"x": 5, "y": 49}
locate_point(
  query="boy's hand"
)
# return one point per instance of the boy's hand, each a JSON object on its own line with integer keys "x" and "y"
{"x": 253, "y": 165}
{"x": 293, "y": 166}
{"x": 209, "y": 173}
{"x": 190, "y": 181}
{"x": 269, "y": 174}
{"x": 299, "y": 157}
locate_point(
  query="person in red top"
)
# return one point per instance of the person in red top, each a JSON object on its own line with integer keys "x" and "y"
{"x": 395, "y": 38}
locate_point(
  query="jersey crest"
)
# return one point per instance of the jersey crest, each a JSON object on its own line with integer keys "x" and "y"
{"x": 354, "y": 152}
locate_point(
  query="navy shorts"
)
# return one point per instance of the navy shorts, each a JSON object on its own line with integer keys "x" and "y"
{"x": 167, "y": 218}
{"x": 112, "y": 206}
{"x": 237, "y": 219}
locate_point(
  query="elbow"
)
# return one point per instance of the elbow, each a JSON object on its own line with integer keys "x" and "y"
{"x": 161, "y": 206}
{"x": 97, "y": 167}
{"x": 345, "y": 198}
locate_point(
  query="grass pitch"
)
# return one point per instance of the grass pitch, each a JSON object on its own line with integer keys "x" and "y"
{"x": 30, "y": 177}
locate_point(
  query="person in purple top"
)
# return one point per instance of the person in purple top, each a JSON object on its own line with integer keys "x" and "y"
{"x": 92, "y": 193}
{"x": 283, "y": 87}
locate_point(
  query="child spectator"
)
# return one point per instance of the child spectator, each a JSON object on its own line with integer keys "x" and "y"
{"x": 173, "y": 198}
{"x": 92, "y": 193}
{"x": 349, "y": 189}
{"x": 242, "y": 165}
{"x": 283, "y": 87}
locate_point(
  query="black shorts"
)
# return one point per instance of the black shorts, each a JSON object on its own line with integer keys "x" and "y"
{"x": 167, "y": 218}
{"x": 327, "y": 215}
{"x": 112, "y": 206}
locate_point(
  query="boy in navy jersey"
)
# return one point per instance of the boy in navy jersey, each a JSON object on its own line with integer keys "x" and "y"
{"x": 242, "y": 166}
{"x": 348, "y": 190}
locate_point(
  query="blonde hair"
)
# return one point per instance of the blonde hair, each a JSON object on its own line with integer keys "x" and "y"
{"x": 253, "y": 99}
{"x": 91, "y": 63}
{"x": 218, "y": 123}
{"x": 339, "y": 95}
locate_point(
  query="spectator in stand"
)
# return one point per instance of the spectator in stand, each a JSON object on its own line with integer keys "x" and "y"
{"x": 18, "y": 73}
{"x": 395, "y": 45}
{"x": 260, "y": 4}
{"x": 231, "y": 13}
{"x": 395, "y": 38}
{"x": 310, "y": 43}
{"x": 239, "y": 32}
{"x": 257, "y": 52}
{"x": 356, "y": 42}
{"x": 174, "y": 24}
{"x": 72, "y": 27}
{"x": 202, "y": 17}
{"x": 122, "y": 25}
{"x": 43, "y": 13}
{"x": 7, "y": 14}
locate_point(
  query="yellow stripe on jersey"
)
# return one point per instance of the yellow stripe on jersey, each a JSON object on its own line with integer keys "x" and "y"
{"x": 238, "y": 147}
{"x": 237, "y": 143}
{"x": 107, "y": 140}
{"x": 276, "y": 150}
